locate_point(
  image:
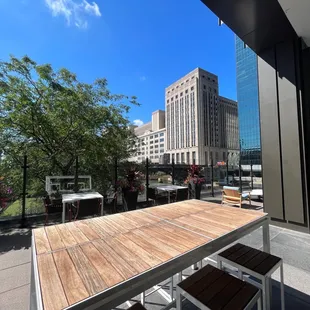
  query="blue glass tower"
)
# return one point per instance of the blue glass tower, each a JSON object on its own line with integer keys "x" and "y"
{"x": 248, "y": 104}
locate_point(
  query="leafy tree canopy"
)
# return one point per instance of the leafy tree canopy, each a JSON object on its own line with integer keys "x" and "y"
{"x": 53, "y": 117}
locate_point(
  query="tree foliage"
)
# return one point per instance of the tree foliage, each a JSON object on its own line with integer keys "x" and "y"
{"x": 53, "y": 117}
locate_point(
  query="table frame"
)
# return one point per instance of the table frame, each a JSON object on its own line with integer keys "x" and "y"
{"x": 116, "y": 295}
{"x": 176, "y": 187}
{"x": 73, "y": 200}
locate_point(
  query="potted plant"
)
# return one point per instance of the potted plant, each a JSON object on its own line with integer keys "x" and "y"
{"x": 194, "y": 181}
{"x": 131, "y": 186}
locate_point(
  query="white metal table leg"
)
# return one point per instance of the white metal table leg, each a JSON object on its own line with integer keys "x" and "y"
{"x": 282, "y": 287}
{"x": 168, "y": 196}
{"x": 180, "y": 276}
{"x": 259, "y": 303}
{"x": 63, "y": 212}
{"x": 219, "y": 263}
{"x": 264, "y": 293}
{"x": 101, "y": 211}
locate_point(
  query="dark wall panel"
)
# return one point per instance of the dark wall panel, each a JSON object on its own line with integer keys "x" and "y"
{"x": 270, "y": 143}
{"x": 288, "y": 90}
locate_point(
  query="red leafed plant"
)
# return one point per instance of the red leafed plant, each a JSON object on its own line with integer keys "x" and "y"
{"x": 194, "y": 175}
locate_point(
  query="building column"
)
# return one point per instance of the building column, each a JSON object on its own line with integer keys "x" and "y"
{"x": 282, "y": 102}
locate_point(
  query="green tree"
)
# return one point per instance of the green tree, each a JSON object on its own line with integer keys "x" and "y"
{"x": 52, "y": 117}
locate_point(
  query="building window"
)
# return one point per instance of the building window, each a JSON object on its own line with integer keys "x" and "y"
{"x": 181, "y": 94}
{"x": 151, "y": 137}
{"x": 194, "y": 157}
{"x": 156, "y": 136}
{"x": 151, "y": 152}
{"x": 186, "y": 91}
{"x": 171, "y": 98}
{"x": 156, "y": 151}
{"x": 182, "y": 158}
{"x": 151, "y": 147}
{"x": 151, "y": 157}
{"x": 161, "y": 150}
{"x": 168, "y": 101}
{"x": 192, "y": 77}
{"x": 161, "y": 134}
{"x": 151, "y": 142}
{"x": 192, "y": 88}
{"x": 156, "y": 146}
{"x": 204, "y": 87}
{"x": 162, "y": 145}
{"x": 178, "y": 158}
{"x": 187, "y": 158}
{"x": 161, "y": 140}
{"x": 176, "y": 96}
{"x": 156, "y": 141}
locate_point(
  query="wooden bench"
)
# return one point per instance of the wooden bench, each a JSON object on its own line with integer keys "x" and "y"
{"x": 212, "y": 288}
{"x": 256, "y": 263}
{"x": 232, "y": 195}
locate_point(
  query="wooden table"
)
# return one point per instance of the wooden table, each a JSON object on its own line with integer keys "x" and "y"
{"x": 104, "y": 261}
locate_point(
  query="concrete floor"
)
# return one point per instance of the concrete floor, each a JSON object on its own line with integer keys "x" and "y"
{"x": 293, "y": 247}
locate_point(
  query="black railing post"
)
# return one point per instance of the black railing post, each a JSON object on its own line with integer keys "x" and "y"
{"x": 115, "y": 174}
{"x": 173, "y": 171}
{"x": 251, "y": 175}
{"x": 147, "y": 178}
{"x": 212, "y": 176}
{"x": 76, "y": 175}
{"x": 227, "y": 181}
{"x": 24, "y": 193}
{"x": 240, "y": 177}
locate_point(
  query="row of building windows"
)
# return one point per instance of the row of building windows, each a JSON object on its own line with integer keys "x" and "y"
{"x": 203, "y": 76}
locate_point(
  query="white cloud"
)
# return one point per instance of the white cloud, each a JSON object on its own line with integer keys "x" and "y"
{"x": 92, "y": 8}
{"x": 142, "y": 78}
{"x": 138, "y": 122}
{"x": 75, "y": 12}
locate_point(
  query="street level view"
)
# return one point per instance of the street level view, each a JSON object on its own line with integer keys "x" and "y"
{"x": 154, "y": 156}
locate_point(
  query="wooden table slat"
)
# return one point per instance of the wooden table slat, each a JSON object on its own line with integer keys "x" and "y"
{"x": 131, "y": 258}
{"x": 156, "y": 251}
{"x": 107, "y": 272}
{"x": 157, "y": 243}
{"x": 89, "y": 275}
{"x": 122, "y": 267}
{"x": 121, "y": 220}
{"x": 50, "y": 284}
{"x": 54, "y": 238}
{"x": 143, "y": 217}
{"x": 73, "y": 285}
{"x": 65, "y": 235}
{"x": 144, "y": 254}
{"x": 42, "y": 243}
{"x": 86, "y": 230}
{"x": 157, "y": 234}
{"x": 76, "y": 233}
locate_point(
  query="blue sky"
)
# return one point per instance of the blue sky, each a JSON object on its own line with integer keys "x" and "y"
{"x": 140, "y": 46}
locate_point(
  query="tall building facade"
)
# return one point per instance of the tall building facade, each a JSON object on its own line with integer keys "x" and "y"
{"x": 151, "y": 139}
{"x": 194, "y": 122}
{"x": 248, "y": 104}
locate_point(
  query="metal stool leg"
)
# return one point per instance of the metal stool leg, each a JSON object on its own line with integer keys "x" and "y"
{"x": 282, "y": 287}
{"x": 180, "y": 276}
{"x": 171, "y": 288}
{"x": 143, "y": 298}
{"x": 179, "y": 299}
{"x": 219, "y": 263}
{"x": 264, "y": 293}
{"x": 259, "y": 303}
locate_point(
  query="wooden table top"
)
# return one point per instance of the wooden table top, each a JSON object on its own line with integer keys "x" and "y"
{"x": 80, "y": 259}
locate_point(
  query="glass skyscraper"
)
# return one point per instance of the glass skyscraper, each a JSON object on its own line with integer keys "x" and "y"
{"x": 248, "y": 104}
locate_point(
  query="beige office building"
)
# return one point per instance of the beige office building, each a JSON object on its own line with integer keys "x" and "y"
{"x": 200, "y": 124}
{"x": 151, "y": 139}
